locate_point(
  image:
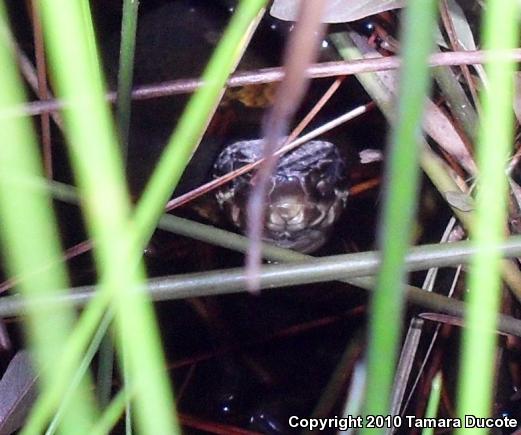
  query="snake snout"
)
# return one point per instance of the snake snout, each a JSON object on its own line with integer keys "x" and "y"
{"x": 289, "y": 213}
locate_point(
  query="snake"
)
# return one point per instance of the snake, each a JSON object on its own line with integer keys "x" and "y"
{"x": 306, "y": 196}
{"x": 308, "y": 188}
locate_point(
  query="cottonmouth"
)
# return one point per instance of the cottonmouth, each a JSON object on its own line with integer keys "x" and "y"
{"x": 306, "y": 196}
{"x": 308, "y": 189}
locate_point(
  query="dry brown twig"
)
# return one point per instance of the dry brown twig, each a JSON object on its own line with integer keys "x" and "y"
{"x": 301, "y": 51}
{"x": 270, "y": 75}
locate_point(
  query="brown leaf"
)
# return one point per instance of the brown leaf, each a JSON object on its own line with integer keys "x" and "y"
{"x": 17, "y": 393}
{"x": 337, "y": 11}
{"x": 450, "y": 320}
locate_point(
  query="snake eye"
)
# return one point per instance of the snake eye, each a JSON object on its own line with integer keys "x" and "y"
{"x": 324, "y": 188}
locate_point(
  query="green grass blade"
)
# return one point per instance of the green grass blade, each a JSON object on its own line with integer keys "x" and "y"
{"x": 98, "y": 168}
{"x": 193, "y": 121}
{"x": 105, "y": 372}
{"x": 399, "y": 206}
{"x": 434, "y": 402}
{"x": 126, "y": 70}
{"x": 80, "y": 372}
{"x": 29, "y": 237}
{"x": 494, "y": 143}
{"x": 111, "y": 415}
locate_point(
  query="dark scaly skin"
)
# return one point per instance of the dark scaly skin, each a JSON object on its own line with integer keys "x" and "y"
{"x": 306, "y": 197}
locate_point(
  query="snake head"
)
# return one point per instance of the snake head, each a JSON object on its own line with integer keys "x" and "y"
{"x": 307, "y": 193}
